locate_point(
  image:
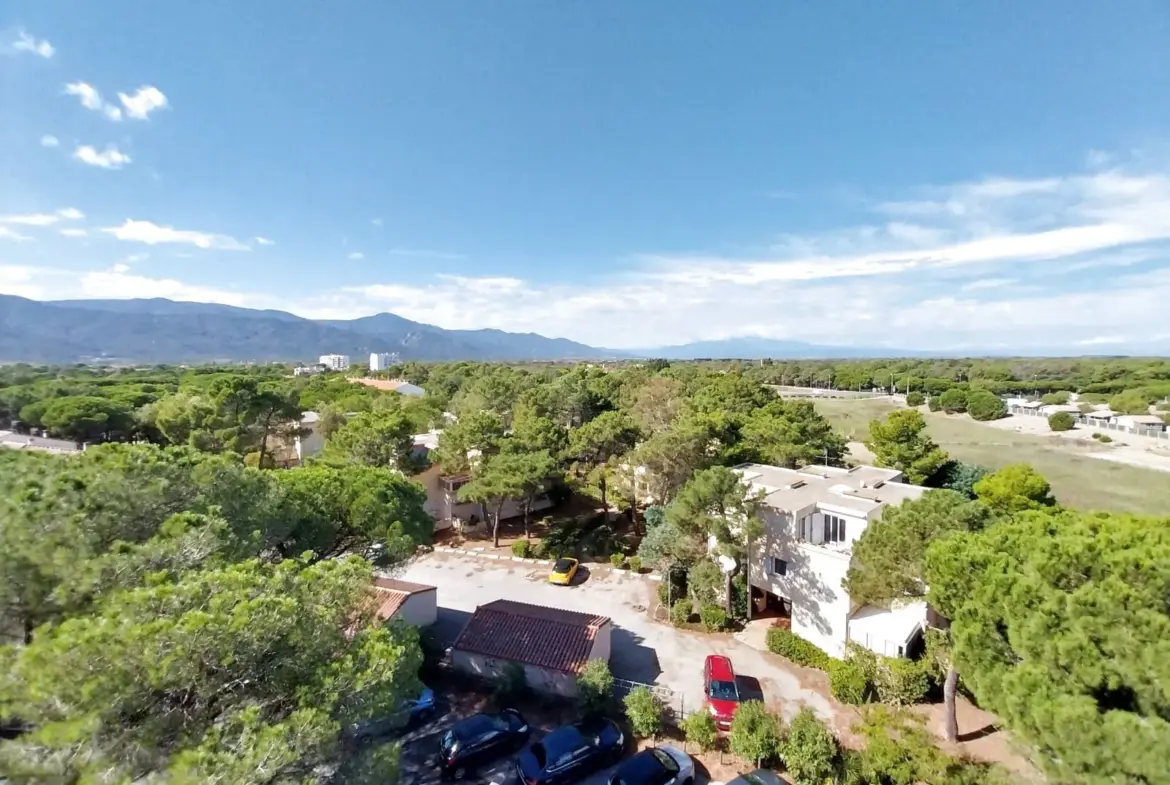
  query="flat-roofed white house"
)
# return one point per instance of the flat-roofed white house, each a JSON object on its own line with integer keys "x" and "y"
{"x": 812, "y": 516}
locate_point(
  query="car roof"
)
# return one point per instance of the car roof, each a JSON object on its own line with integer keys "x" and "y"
{"x": 758, "y": 777}
{"x": 562, "y": 740}
{"x": 641, "y": 768}
{"x": 720, "y": 668}
{"x": 475, "y": 725}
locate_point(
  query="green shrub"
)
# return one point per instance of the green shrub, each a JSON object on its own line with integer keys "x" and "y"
{"x": 739, "y": 597}
{"x": 793, "y": 647}
{"x": 705, "y": 582}
{"x": 595, "y": 687}
{"x": 680, "y": 612}
{"x": 1061, "y": 421}
{"x": 755, "y": 733}
{"x": 1058, "y": 398}
{"x": 953, "y": 400}
{"x": 933, "y": 404}
{"x": 511, "y": 684}
{"x": 983, "y": 406}
{"x": 1104, "y": 438}
{"x": 644, "y": 711}
{"x": 522, "y": 549}
{"x": 849, "y": 682}
{"x": 810, "y": 751}
{"x": 713, "y": 618}
{"x": 618, "y": 560}
{"x": 539, "y": 551}
{"x": 635, "y": 563}
{"x": 673, "y": 586}
{"x": 901, "y": 682}
{"x": 915, "y": 398}
{"x": 699, "y": 728}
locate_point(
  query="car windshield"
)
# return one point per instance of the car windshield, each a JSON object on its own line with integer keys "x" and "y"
{"x": 724, "y": 690}
{"x": 448, "y": 742}
{"x": 667, "y": 762}
{"x": 562, "y": 565}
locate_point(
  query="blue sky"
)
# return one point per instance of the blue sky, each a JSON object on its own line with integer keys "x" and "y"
{"x": 624, "y": 174}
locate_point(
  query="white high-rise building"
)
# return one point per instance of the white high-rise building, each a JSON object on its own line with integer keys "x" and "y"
{"x": 381, "y": 361}
{"x": 335, "y": 362}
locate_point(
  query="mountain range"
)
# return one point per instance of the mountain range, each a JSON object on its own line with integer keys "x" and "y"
{"x": 159, "y": 330}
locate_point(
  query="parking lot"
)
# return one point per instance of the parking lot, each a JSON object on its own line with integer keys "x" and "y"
{"x": 642, "y": 650}
{"x": 420, "y": 745}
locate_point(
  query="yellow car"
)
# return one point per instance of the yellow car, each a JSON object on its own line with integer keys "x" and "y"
{"x": 563, "y": 572}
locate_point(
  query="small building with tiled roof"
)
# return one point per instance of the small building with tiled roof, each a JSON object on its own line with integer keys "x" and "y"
{"x": 413, "y": 603}
{"x": 551, "y": 644}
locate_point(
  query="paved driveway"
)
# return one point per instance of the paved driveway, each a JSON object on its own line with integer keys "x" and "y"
{"x": 642, "y": 650}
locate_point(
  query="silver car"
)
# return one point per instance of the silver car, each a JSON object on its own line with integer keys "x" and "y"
{"x": 656, "y": 766}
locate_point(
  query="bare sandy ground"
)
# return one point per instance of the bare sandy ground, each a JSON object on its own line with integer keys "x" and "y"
{"x": 1127, "y": 448}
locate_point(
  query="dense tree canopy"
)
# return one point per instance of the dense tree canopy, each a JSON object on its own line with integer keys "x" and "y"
{"x": 1060, "y": 626}
{"x": 1014, "y": 488}
{"x": 901, "y": 442}
{"x": 240, "y": 674}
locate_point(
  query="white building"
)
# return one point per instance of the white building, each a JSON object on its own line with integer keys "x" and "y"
{"x": 308, "y": 370}
{"x": 812, "y": 517}
{"x": 334, "y": 362}
{"x": 381, "y": 361}
{"x": 309, "y": 440}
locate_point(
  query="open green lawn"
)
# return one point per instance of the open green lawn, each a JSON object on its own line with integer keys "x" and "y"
{"x": 1078, "y": 481}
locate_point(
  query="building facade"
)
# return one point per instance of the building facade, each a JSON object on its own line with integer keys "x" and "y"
{"x": 381, "y": 361}
{"x": 812, "y": 517}
{"x": 334, "y": 362}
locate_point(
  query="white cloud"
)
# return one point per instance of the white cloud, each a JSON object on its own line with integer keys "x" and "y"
{"x": 88, "y": 95}
{"x": 121, "y": 268}
{"x": 1101, "y": 340}
{"x": 376, "y": 222}
{"x": 73, "y": 233}
{"x": 154, "y": 234}
{"x": 13, "y": 235}
{"x": 26, "y": 42}
{"x": 263, "y": 241}
{"x": 49, "y": 141}
{"x": 31, "y": 219}
{"x": 110, "y": 158}
{"x": 356, "y": 255}
{"x": 145, "y": 100}
{"x": 70, "y": 213}
{"x": 987, "y": 283}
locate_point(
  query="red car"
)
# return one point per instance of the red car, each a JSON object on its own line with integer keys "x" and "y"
{"x": 720, "y": 689}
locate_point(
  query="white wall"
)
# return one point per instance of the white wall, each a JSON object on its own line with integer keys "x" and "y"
{"x": 420, "y": 609}
{"x": 444, "y": 509}
{"x": 812, "y": 582}
{"x": 310, "y": 444}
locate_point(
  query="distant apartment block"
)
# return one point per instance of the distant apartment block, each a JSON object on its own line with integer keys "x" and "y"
{"x": 812, "y": 517}
{"x": 308, "y": 370}
{"x": 381, "y": 361}
{"x": 334, "y": 362}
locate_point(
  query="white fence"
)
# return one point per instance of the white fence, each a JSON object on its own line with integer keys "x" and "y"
{"x": 1089, "y": 422}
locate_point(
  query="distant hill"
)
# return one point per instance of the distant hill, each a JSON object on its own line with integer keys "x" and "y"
{"x": 749, "y": 348}
{"x": 159, "y": 330}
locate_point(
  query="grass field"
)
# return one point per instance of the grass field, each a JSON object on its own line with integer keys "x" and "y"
{"x": 1078, "y": 481}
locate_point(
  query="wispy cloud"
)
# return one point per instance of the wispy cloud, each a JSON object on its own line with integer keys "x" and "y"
{"x": 376, "y": 222}
{"x": 11, "y": 234}
{"x": 356, "y": 256}
{"x": 143, "y": 101}
{"x": 153, "y": 234}
{"x": 73, "y": 232}
{"x": 49, "y": 141}
{"x": 91, "y": 99}
{"x": 43, "y": 219}
{"x": 25, "y": 42}
{"x": 110, "y": 158}
{"x": 263, "y": 241}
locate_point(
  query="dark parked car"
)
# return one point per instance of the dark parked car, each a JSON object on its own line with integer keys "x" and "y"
{"x": 480, "y": 739}
{"x": 569, "y": 753}
{"x": 758, "y": 777}
{"x": 412, "y": 712}
{"x": 656, "y": 766}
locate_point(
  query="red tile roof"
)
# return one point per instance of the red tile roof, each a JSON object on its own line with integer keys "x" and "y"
{"x": 549, "y": 638}
{"x": 390, "y": 594}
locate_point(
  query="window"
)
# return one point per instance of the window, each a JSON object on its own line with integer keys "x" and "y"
{"x": 779, "y": 566}
{"x": 805, "y": 533}
{"x": 834, "y": 529}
